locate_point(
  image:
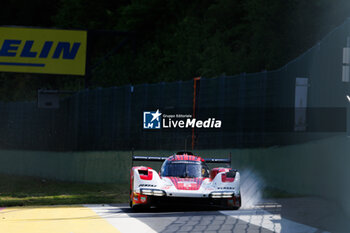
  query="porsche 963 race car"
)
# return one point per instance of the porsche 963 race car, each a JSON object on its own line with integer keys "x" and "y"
{"x": 184, "y": 178}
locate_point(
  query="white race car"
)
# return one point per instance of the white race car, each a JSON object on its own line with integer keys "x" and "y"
{"x": 184, "y": 178}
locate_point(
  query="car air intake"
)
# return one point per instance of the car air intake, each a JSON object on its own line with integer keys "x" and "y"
{"x": 228, "y": 176}
{"x": 145, "y": 174}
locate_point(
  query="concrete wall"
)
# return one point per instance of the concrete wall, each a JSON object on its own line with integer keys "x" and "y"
{"x": 316, "y": 168}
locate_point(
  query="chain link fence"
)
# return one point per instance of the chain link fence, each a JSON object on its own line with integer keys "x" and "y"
{"x": 257, "y": 110}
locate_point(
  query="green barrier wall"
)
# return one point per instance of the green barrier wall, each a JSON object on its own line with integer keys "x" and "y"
{"x": 97, "y": 167}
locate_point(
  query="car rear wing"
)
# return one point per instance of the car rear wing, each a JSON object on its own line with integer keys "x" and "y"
{"x": 161, "y": 159}
{"x": 214, "y": 160}
{"x": 149, "y": 158}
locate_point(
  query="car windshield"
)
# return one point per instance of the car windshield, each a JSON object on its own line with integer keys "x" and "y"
{"x": 185, "y": 169}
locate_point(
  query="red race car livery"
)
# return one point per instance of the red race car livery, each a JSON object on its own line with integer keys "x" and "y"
{"x": 184, "y": 178}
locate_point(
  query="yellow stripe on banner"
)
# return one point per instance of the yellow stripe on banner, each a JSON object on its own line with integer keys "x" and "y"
{"x": 57, "y": 219}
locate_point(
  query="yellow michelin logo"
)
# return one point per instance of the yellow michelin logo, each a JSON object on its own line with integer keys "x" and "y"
{"x": 48, "y": 51}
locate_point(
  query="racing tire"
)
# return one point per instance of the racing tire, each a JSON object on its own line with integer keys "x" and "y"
{"x": 140, "y": 208}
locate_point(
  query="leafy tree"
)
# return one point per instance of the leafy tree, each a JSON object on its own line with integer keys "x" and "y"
{"x": 174, "y": 39}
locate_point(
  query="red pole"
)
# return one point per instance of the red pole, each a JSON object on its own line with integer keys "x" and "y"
{"x": 194, "y": 105}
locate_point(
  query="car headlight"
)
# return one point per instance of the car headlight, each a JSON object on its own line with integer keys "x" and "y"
{"x": 221, "y": 194}
{"x": 152, "y": 192}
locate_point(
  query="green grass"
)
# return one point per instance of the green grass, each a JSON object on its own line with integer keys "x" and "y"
{"x": 24, "y": 191}
{"x": 29, "y": 191}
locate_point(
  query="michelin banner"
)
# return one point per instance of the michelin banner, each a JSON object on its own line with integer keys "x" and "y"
{"x": 49, "y": 51}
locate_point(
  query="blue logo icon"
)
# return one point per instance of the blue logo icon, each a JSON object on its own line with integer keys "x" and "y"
{"x": 151, "y": 120}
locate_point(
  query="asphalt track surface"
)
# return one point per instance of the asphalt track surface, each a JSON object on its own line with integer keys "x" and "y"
{"x": 297, "y": 215}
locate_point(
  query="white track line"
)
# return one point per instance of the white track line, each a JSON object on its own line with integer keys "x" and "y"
{"x": 269, "y": 221}
{"x": 258, "y": 217}
{"x": 120, "y": 220}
